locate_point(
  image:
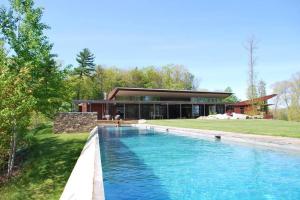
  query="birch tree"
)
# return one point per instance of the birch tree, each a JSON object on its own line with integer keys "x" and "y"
{"x": 23, "y": 32}
{"x": 15, "y": 106}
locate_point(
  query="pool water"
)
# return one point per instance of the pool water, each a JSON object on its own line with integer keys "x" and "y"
{"x": 144, "y": 164}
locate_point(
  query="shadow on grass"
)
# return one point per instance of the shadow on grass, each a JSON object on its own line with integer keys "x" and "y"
{"x": 47, "y": 169}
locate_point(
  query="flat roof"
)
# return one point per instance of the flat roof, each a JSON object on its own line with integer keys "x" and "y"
{"x": 145, "y": 102}
{"x": 126, "y": 91}
{"x": 260, "y": 99}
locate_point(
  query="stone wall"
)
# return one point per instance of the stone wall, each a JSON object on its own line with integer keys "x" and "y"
{"x": 74, "y": 122}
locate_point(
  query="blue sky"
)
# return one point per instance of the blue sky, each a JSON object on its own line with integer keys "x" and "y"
{"x": 205, "y": 36}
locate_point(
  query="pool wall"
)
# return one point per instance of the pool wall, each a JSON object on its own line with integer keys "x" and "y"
{"x": 86, "y": 180}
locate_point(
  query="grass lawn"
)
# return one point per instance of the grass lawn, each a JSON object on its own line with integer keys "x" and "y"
{"x": 47, "y": 168}
{"x": 260, "y": 127}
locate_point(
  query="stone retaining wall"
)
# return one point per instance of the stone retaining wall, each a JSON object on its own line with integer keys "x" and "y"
{"x": 71, "y": 122}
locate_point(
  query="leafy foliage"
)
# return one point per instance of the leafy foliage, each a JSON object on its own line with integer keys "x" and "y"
{"x": 287, "y": 102}
{"x": 23, "y": 32}
{"x": 232, "y": 98}
{"x": 15, "y": 106}
{"x": 104, "y": 79}
{"x": 30, "y": 79}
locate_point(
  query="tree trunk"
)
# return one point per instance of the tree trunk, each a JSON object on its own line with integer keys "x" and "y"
{"x": 12, "y": 152}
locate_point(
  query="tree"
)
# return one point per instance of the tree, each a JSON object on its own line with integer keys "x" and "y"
{"x": 294, "y": 112}
{"x": 178, "y": 77}
{"x": 232, "y": 98}
{"x": 251, "y": 47}
{"x": 283, "y": 99}
{"x": 261, "y": 88}
{"x": 136, "y": 78}
{"x": 30, "y": 79}
{"x": 152, "y": 77}
{"x": 15, "y": 106}
{"x": 85, "y": 60}
{"x": 283, "y": 91}
{"x": 98, "y": 82}
{"x": 86, "y": 66}
{"x": 23, "y": 34}
{"x": 104, "y": 79}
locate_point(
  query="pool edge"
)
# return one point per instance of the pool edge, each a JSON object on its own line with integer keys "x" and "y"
{"x": 291, "y": 145}
{"x": 86, "y": 179}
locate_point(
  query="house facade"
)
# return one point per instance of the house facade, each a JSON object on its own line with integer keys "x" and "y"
{"x": 255, "y": 106}
{"x": 144, "y": 103}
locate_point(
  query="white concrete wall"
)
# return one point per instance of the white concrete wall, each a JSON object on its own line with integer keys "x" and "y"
{"x": 86, "y": 181}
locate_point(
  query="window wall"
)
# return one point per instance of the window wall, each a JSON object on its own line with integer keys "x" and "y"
{"x": 131, "y": 111}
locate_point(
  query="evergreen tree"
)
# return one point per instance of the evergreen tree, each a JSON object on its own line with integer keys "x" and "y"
{"x": 86, "y": 67}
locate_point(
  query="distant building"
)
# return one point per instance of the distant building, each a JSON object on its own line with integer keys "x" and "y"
{"x": 257, "y": 105}
{"x": 144, "y": 103}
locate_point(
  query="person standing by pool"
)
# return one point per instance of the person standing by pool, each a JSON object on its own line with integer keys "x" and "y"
{"x": 118, "y": 118}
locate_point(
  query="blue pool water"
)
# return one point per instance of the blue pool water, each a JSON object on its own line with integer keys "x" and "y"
{"x": 143, "y": 164}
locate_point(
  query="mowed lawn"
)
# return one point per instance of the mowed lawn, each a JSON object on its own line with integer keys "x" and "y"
{"x": 47, "y": 167}
{"x": 261, "y": 127}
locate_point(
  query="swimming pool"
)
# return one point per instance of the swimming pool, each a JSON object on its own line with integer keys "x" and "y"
{"x": 145, "y": 164}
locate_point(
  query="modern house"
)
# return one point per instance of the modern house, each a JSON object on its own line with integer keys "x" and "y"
{"x": 258, "y": 105}
{"x": 143, "y": 103}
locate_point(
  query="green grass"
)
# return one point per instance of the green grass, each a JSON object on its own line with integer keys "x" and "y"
{"x": 47, "y": 168}
{"x": 260, "y": 127}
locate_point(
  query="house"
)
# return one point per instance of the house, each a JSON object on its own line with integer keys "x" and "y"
{"x": 254, "y": 106}
{"x": 144, "y": 103}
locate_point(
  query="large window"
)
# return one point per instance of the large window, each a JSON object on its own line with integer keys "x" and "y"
{"x": 131, "y": 111}
{"x": 198, "y": 110}
{"x": 212, "y": 109}
{"x": 186, "y": 111}
{"x": 174, "y": 111}
{"x": 160, "y": 111}
{"x": 147, "y": 111}
{"x": 220, "y": 109}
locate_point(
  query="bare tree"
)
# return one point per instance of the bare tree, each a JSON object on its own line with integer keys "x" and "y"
{"x": 251, "y": 47}
{"x": 261, "y": 88}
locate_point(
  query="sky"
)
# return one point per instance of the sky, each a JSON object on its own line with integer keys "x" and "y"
{"x": 206, "y": 36}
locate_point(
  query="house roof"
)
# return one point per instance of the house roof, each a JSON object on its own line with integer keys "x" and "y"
{"x": 260, "y": 99}
{"x": 126, "y": 91}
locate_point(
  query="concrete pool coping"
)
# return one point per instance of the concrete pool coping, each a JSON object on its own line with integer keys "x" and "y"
{"x": 291, "y": 145}
{"x": 86, "y": 180}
